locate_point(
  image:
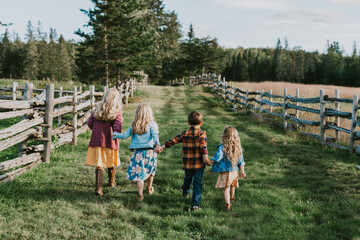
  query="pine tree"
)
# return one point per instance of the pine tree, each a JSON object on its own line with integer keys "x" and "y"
{"x": 120, "y": 41}
{"x": 31, "y": 55}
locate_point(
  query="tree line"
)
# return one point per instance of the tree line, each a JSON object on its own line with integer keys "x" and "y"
{"x": 125, "y": 36}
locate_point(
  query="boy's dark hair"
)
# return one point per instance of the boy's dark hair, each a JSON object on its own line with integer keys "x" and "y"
{"x": 195, "y": 118}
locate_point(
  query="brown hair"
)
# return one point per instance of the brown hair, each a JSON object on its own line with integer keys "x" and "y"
{"x": 109, "y": 106}
{"x": 143, "y": 116}
{"x": 232, "y": 144}
{"x": 195, "y": 118}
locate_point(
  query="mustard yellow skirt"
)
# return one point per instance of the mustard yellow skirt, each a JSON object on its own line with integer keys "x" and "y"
{"x": 102, "y": 157}
{"x": 227, "y": 179}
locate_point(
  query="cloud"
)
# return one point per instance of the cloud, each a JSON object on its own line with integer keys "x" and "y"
{"x": 255, "y": 4}
{"x": 348, "y": 2}
{"x": 314, "y": 16}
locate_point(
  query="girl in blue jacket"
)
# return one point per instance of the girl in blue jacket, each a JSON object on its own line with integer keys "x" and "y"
{"x": 227, "y": 161}
{"x": 145, "y": 144}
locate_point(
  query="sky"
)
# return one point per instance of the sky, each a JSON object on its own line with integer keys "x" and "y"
{"x": 308, "y": 24}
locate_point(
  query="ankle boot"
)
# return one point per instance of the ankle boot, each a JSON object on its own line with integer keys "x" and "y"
{"x": 111, "y": 174}
{"x": 99, "y": 173}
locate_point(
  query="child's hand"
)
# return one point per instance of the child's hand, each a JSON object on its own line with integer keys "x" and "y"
{"x": 115, "y": 135}
{"x": 158, "y": 149}
{"x": 243, "y": 175}
{"x": 206, "y": 160}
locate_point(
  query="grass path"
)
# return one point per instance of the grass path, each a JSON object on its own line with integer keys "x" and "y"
{"x": 294, "y": 188}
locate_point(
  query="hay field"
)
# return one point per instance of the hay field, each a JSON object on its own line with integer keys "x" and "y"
{"x": 308, "y": 91}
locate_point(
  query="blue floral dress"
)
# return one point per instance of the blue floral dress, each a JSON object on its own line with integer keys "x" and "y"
{"x": 142, "y": 165}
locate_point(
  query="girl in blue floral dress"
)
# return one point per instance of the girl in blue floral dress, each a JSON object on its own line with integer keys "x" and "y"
{"x": 145, "y": 145}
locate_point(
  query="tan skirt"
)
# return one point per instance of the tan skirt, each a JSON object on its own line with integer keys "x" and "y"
{"x": 102, "y": 157}
{"x": 227, "y": 179}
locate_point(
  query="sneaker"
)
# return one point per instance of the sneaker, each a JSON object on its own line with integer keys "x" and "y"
{"x": 195, "y": 208}
{"x": 185, "y": 195}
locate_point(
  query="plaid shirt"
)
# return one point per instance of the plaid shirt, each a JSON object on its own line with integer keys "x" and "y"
{"x": 194, "y": 146}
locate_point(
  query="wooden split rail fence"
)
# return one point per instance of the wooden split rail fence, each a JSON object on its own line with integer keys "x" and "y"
{"x": 44, "y": 121}
{"x": 278, "y": 106}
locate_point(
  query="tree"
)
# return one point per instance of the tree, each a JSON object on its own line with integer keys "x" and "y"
{"x": 119, "y": 43}
{"x": 31, "y": 55}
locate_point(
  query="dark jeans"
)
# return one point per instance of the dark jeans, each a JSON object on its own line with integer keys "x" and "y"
{"x": 193, "y": 176}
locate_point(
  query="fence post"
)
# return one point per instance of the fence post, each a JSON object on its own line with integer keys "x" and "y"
{"x": 297, "y": 104}
{"x": 285, "y": 111}
{"x": 14, "y": 95}
{"x": 92, "y": 97}
{"x": 27, "y": 95}
{"x": 353, "y": 122}
{"x": 132, "y": 87}
{"x": 337, "y": 119}
{"x": 59, "y": 106}
{"x": 261, "y": 103}
{"x": 247, "y": 101}
{"x": 49, "y": 109}
{"x": 255, "y": 103}
{"x": 75, "y": 116}
{"x": 271, "y": 99}
{"x": 322, "y": 118}
{"x": 224, "y": 89}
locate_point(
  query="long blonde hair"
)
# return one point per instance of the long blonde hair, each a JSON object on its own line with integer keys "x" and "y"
{"x": 232, "y": 144}
{"x": 143, "y": 116}
{"x": 109, "y": 106}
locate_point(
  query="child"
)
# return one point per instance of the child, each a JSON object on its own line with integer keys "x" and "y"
{"x": 103, "y": 150}
{"x": 227, "y": 160}
{"x": 195, "y": 154}
{"x": 144, "y": 138}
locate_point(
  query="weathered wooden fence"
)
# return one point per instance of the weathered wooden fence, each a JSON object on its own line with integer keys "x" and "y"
{"x": 49, "y": 119}
{"x": 276, "y": 108}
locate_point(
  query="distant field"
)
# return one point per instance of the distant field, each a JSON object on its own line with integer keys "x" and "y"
{"x": 308, "y": 91}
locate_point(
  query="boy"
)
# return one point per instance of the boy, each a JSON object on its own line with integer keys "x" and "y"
{"x": 195, "y": 156}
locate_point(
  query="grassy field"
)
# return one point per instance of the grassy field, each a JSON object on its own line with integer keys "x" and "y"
{"x": 295, "y": 189}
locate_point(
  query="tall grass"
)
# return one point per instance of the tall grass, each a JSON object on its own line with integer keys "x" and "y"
{"x": 295, "y": 189}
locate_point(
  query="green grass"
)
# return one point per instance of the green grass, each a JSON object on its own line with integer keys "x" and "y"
{"x": 295, "y": 188}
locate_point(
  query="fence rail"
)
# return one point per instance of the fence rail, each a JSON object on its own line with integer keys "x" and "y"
{"x": 39, "y": 109}
{"x": 280, "y": 110}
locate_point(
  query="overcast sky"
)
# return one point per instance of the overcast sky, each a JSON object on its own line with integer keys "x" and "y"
{"x": 235, "y": 23}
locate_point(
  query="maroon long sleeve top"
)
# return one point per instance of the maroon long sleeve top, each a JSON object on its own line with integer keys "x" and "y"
{"x": 102, "y": 131}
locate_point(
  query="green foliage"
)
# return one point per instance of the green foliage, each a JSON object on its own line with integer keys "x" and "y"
{"x": 295, "y": 188}
{"x": 293, "y": 65}
{"x": 37, "y": 58}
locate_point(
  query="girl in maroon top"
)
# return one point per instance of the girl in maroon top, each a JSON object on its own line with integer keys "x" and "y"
{"x": 103, "y": 150}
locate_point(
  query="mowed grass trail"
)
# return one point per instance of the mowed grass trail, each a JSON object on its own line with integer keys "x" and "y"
{"x": 295, "y": 189}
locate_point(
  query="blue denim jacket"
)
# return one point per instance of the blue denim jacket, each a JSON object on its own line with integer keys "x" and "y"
{"x": 223, "y": 164}
{"x": 147, "y": 140}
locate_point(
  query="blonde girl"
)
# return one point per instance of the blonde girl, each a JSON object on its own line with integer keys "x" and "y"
{"x": 145, "y": 144}
{"x": 227, "y": 161}
{"x": 103, "y": 150}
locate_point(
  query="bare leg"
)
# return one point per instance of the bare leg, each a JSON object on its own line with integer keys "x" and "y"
{"x": 227, "y": 195}
{"x": 232, "y": 193}
{"x": 149, "y": 188}
{"x": 140, "y": 185}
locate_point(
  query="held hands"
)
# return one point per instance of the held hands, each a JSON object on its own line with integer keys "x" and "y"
{"x": 159, "y": 149}
{"x": 206, "y": 160}
{"x": 115, "y": 135}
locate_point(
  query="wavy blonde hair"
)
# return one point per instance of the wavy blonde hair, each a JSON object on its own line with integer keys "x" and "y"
{"x": 232, "y": 144}
{"x": 109, "y": 106}
{"x": 143, "y": 116}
